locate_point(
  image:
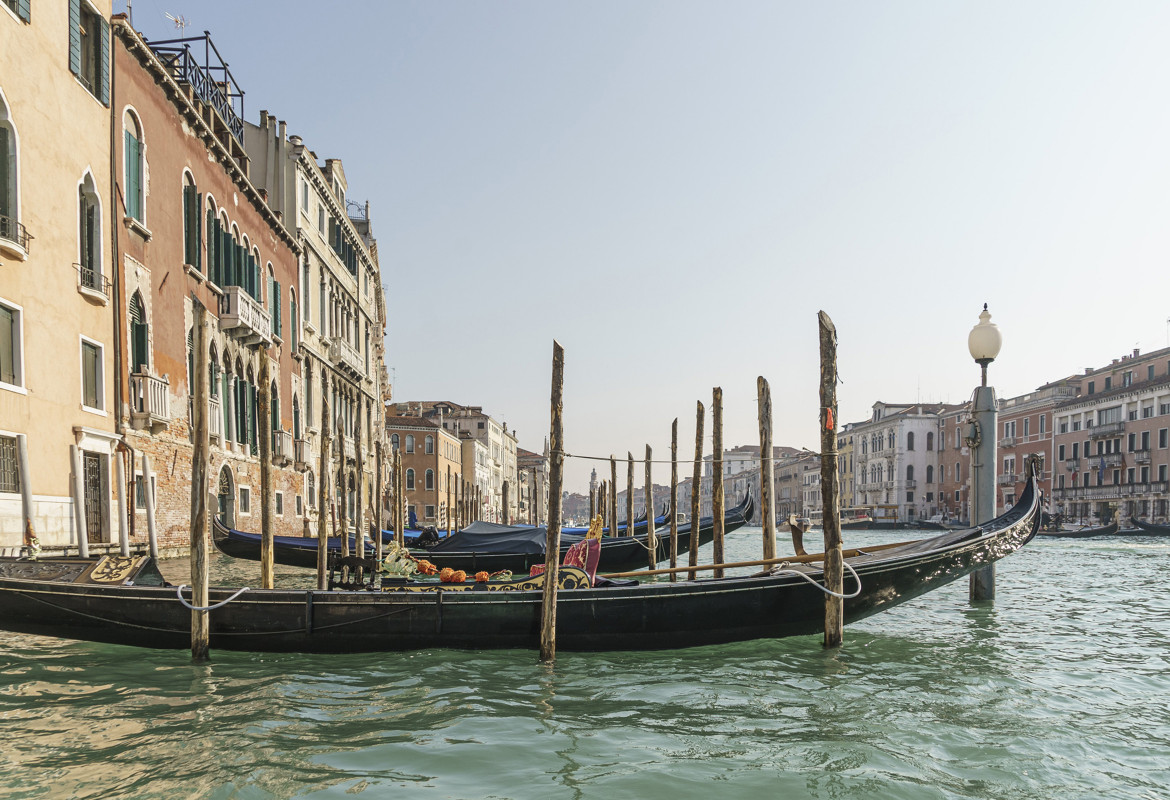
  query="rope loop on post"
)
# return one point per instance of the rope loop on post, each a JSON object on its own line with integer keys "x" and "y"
{"x": 179, "y": 593}
{"x": 779, "y": 570}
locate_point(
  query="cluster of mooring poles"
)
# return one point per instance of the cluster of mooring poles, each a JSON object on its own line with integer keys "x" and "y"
{"x": 465, "y": 501}
{"x": 833, "y": 556}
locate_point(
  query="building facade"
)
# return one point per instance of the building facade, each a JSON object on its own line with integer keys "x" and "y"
{"x": 337, "y": 308}
{"x": 432, "y": 464}
{"x": 57, "y": 334}
{"x": 191, "y": 228}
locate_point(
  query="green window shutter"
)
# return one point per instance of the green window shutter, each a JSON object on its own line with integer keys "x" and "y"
{"x": 292, "y": 321}
{"x": 277, "y": 306}
{"x": 133, "y": 177}
{"x": 253, "y": 413}
{"x": 141, "y": 343}
{"x": 104, "y": 78}
{"x": 212, "y": 228}
{"x": 23, "y": 11}
{"x": 75, "y": 37}
{"x": 198, "y": 233}
{"x": 8, "y": 334}
{"x": 190, "y": 224}
{"x": 5, "y": 211}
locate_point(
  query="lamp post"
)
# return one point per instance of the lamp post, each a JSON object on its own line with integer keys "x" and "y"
{"x": 983, "y": 342}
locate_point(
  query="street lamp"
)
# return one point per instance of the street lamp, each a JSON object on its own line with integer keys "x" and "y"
{"x": 983, "y": 342}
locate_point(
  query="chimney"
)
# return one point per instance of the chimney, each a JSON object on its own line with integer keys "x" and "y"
{"x": 1136, "y": 352}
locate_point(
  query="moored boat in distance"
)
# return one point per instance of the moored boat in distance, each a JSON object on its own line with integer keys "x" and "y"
{"x": 1148, "y": 528}
{"x": 1083, "y": 533}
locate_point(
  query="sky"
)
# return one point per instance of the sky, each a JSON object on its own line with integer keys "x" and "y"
{"x": 673, "y": 190}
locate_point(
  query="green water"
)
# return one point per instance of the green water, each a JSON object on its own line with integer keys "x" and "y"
{"x": 1058, "y": 690}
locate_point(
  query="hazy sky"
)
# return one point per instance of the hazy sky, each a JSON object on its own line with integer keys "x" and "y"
{"x": 674, "y": 189}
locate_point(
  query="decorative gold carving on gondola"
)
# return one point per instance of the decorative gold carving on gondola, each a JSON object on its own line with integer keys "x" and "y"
{"x": 569, "y": 578}
{"x": 115, "y": 569}
{"x": 43, "y": 570}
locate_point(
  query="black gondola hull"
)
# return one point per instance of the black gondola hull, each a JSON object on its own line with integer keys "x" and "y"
{"x": 639, "y": 617}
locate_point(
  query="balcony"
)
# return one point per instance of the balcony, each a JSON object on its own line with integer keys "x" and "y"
{"x": 282, "y": 447}
{"x": 1111, "y": 459}
{"x": 1108, "y": 429}
{"x": 1072, "y": 463}
{"x": 1142, "y": 456}
{"x": 345, "y": 356}
{"x": 301, "y": 454}
{"x": 911, "y": 483}
{"x": 14, "y": 238}
{"x": 149, "y": 406}
{"x": 244, "y": 317}
{"x": 1009, "y": 479}
{"x": 92, "y": 283}
{"x": 216, "y": 419}
{"x": 1008, "y": 441}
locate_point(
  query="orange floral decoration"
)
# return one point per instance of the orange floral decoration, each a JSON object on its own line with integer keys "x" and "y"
{"x": 481, "y": 577}
{"x": 459, "y": 577}
{"x": 426, "y": 567}
{"x": 447, "y": 575}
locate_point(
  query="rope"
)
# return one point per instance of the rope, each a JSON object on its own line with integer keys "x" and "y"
{"x": 780, "y": 571}
{"x": 735, "y": 459}
{"x": 179, "y": 593}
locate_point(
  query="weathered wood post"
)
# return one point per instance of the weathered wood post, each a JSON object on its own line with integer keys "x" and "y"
{"x": 674, "y": 498}
{"x": 400, "y": 502}
{"x": 265, "y": 432}
{"x": 651, "y": 534}
{"x": 630, "y": 494}
{"x": 324, "y": 479}
{"x": 507, "y": 514}
{"x": 200, "y": 630}
{"x": 123, "y": 496}
{"x": 767, "y": 473}
{"x": 148, "y": 487}
{"x": 377, "y": 504}
{"x": 592, "y": 503}
{"x": 613, "y": 493}
{"x": 696, "y": 486}
{"x": 450, "y": 507}
{"x": 717, "y": 520}
{"x": 831, "y": 516}
{"x": 26, "y": 497}
{"x": 359, "y": 527}
{"x": 552, "y": 551}
{"x": 78, "y": 496}
{"x": 342, "y": 490}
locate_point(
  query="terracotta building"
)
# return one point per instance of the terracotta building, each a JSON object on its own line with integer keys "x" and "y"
{"x": 192, "y": 229}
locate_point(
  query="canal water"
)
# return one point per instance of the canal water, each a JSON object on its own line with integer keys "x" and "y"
{"x": 1057, "y": 690}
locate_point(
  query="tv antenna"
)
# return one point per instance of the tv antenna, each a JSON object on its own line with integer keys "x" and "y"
{"x": 180, "y": 22}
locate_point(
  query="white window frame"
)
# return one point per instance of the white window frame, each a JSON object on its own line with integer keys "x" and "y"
{"x": 278, "y": 503}
{"x": 244, "y": 501}
{"x": 144, "y": 180}
{"x": 83, "y": 340}
{"x": 18, "y": 350}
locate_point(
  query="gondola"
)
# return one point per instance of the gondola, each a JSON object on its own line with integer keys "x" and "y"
{"x": 1148, "y": 528}
{"x": 487, "y": 546}
{"x": 125, "y": 600}
{"x": 1083, "y": 533}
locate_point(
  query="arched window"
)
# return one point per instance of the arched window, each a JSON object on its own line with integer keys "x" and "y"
{"x": 890, "y": 443}
{"x": 226, "y": 496}
{"x": 394, "y": 441}
{"x": 410, "y": 479}
{"x": 410, "y": 442}
{"x": 134, "y": 157}
{"x": 429, "y": 445}
{"x": 89, "y": 235}
{"x": 213, "y": 371}
{"x": 191, "y": 365}
{"x": 929, "y": 440}
{"x": 910, "y": 440}
{"x": 430, "y": 480}
{"x": 214, "y": 245}
{"x": 192, "y": 230}
{"x": 10, "y": 228}
{"x": 929, "y": 474}
{"x": 909, "y": 472}
{"x": 311, "y": 490}
{"x": 139, "y": 336}
{"x": 863, "y": 446}
{"x": 296, "y": 417}
{"x": 293, "y": 319}
{"x": 274, "y": 410}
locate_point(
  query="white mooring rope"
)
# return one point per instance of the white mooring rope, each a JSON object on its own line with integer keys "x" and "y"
{"x": 780, "y": 571}
{"x": 179, "y": 592}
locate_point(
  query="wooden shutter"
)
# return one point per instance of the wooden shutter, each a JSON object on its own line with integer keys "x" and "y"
{"x": 7, "y": 345}
{"x": 212, "y": 234}
{"x": 190, "y": 224}
{"x": 198, "y": 233}
{"x": 277, "y": 303}
{"x": 133, "y": 177}
{"x": 104, "y": 67}
{"x": 5, "y": 210}
{"x": 75, "y": 37}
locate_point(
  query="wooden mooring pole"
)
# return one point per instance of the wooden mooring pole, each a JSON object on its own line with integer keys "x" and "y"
{"x": 148, "y": 489}
{"x": 265, "y": 430}
{"x": 450, "y": 508}
{"x": 630, "y": 494}
{"x": 717, "y": 520}
{"x": 696, "y": 491}
{"x": 613, "y": 493}
{"x": 767, "y": 474}
{"x": 200, "y": 630}
{"x": 674, "y": 497}
{"x": 651, "y": 534}
{"x": 324, "y": 478}
{"x": 552, "y": 552}
{"x": 831, "y": 516}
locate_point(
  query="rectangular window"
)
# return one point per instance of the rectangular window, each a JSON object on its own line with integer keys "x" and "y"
{"x": 430, "y": 512}
{"x": 1162, "y": 472}
{"x": 1163, "y": 409}
{"x": 305, "y": 195}
{"x": 1148, "y": 411}
{"x": 909, "y": 497}
{"x": 1076, "y": 449}
{"x": 1145, "y": 474}
{"x": 20, "y": 8}
{"x": 1145, "y": 440}
{"x": 1076, "y": 425}
{"x": 1059, "y": 456}
{"x": 9, "y": 465}
{"x": 245, "y": 500}
{"x": 280, "y": 504}
{"x": 930, "y": 497}
{"x": 1132, "y": 442}
{"x": 1127, "y": 378}
{"x": 321, "y": 219}
{"x": 11, "y": 346}
{"x": 1162, "y": 435}
{"x": 92, "y": 394}
{"x": 1060, "y": 481}
{"x": 1116, "y": 477}
{"x": 1109, "y": 383}
{"x": 1107, "y": 416}
{"x": 1129, "y": 475}
{"x": 300, "y": 506}
{"x": 1027, "y": 426}
{"x": 89, "y": 49}
{"x": 140, "y": 491}
{"x": 1043, "y": 422}
{"x": 1150, "y": 372}
{"x": 1092, "y": 387}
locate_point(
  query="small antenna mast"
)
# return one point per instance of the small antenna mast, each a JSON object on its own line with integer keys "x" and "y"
{"x": 180, "y": 22}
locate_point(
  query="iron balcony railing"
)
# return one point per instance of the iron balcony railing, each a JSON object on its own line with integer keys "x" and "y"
{"x": 1108, "y": 429}
{"x": 89, "y": 278}
{"x": 13, "y": 231}
{"x": 211, "y": 80}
